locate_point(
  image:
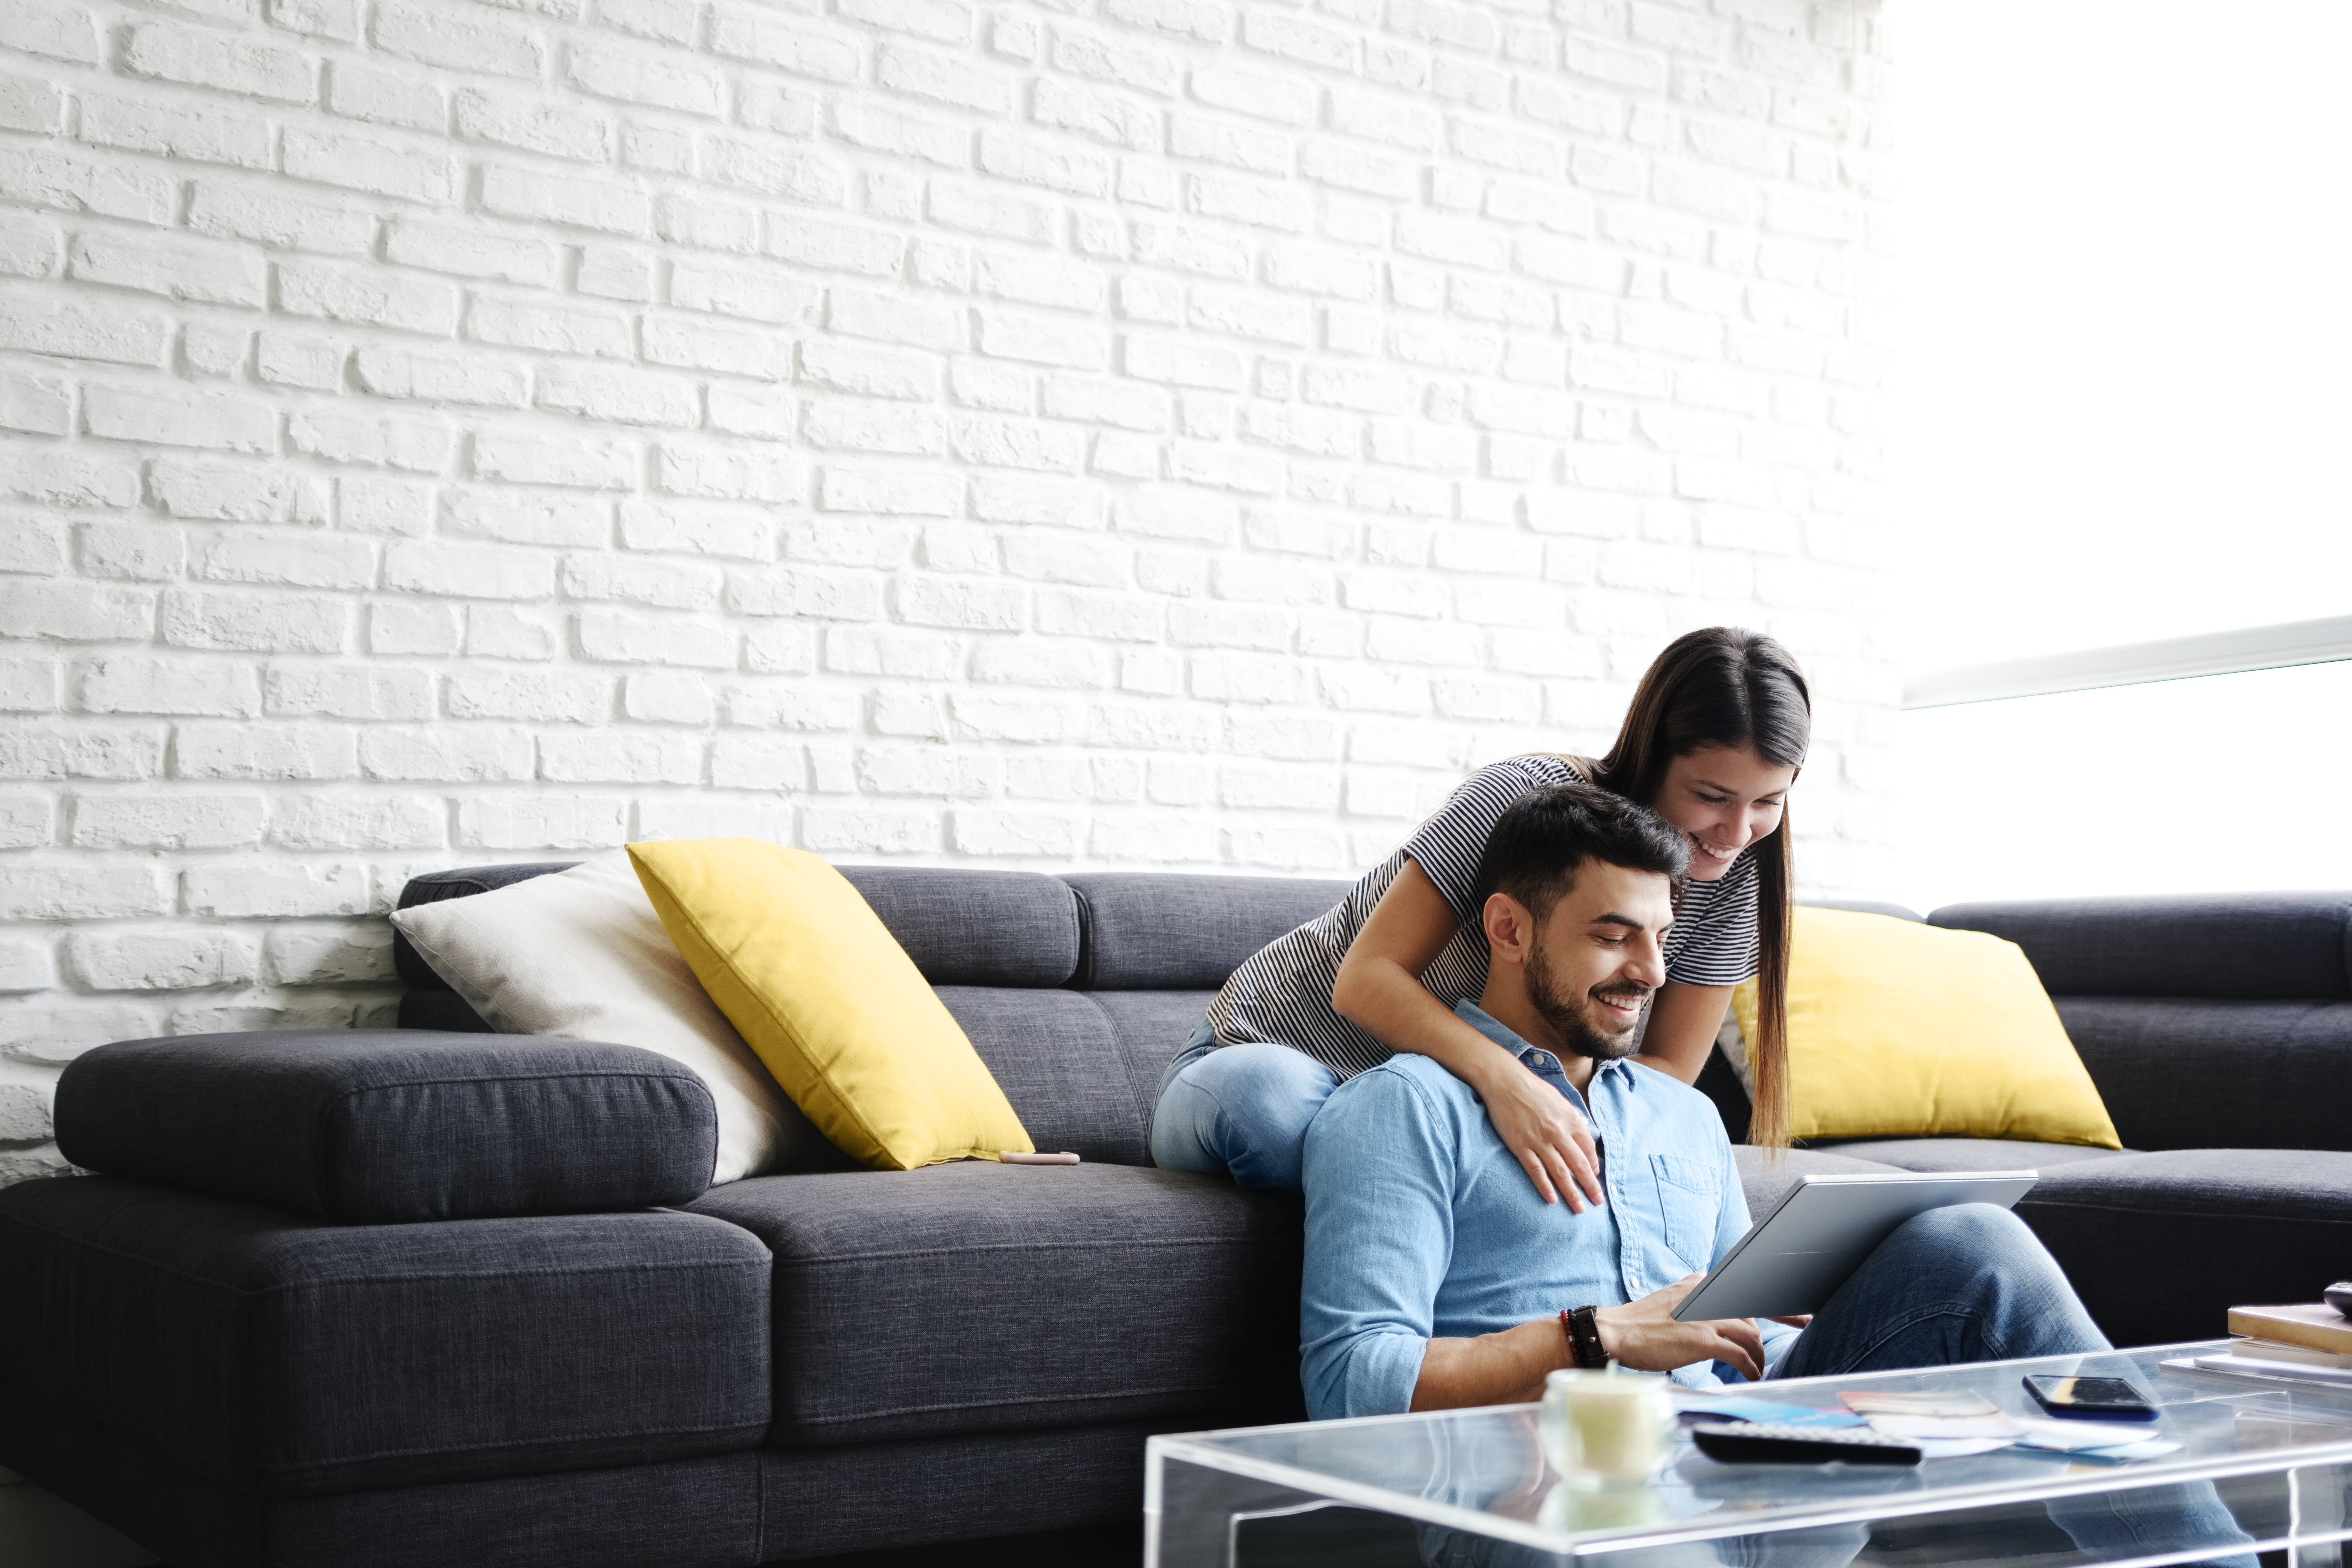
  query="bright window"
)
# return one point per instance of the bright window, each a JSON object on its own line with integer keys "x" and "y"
{"x": 2125, "y": 390}
{"x": 2229, "y": 783}
{"x": 2125, "y": 395}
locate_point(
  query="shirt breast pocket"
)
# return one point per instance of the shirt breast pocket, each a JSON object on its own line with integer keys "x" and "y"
{"x": 1690, "y": 1201}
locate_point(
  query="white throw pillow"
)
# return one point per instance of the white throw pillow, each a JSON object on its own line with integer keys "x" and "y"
{"x": 582, "y": 954}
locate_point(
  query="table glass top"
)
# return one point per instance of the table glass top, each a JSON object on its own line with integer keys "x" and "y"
{"x": 1483, "y": 1470}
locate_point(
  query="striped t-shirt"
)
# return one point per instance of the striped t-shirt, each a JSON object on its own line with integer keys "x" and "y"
{"x": 1282, "y": 994}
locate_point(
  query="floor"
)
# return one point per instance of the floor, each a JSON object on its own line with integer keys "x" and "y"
{"x": 1118, "y": 1546}
{"x": 1333, "y": 1538}
{"x": 40, "y": 1530}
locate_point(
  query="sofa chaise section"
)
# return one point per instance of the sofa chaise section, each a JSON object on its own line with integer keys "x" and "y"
{"x": 362, "y": 1266}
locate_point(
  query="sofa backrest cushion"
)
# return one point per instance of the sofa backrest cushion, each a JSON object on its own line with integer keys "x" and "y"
{"x": 394, "y": 1126}
{"x": 1082, "y": 1069}
{"x": 961, "y": 927}
{"x": 1168, "y": 931}
{"x": 2193, "y": 1073}
{"x": 1075, "y": 991}
{"x": 976, "y": 928}
{"x": 1716, "y": 1077}
{"x": 2276, "y": 947}
{"x": 462, "y": 883}
{"x": 1058, "y": 1061}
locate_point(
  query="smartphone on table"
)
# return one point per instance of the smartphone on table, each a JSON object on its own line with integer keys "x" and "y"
{"x": 2095, "y": 1398}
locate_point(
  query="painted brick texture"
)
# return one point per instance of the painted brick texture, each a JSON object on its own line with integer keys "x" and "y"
{"x": 1148, "y": 433}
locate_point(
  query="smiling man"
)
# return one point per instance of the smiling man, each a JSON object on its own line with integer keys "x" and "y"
{"x": 1436, "y": 1276}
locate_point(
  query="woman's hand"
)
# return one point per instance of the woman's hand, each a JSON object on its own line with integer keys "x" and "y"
{"x": 1378, "y": 990}
{"x": 1549, "y": 1136}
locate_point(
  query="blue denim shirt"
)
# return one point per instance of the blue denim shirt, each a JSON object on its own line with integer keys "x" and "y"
{"x": 1421, "y": 1224}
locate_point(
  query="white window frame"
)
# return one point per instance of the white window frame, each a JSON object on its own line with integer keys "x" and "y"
{"x": 2276, "y": 646}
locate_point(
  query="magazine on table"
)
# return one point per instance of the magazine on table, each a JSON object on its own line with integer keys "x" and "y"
{"x": 2302, "y": 1343}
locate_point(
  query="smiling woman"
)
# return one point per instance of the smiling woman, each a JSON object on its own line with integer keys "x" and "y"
{"x": 1712, "y": 742}
{"x": 1723, "y": 798}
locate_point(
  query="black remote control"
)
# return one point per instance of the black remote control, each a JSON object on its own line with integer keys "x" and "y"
{"x": 1759, "y": 1442}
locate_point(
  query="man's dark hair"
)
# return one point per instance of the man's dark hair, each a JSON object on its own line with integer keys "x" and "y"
{"x": 1545, "y": 835}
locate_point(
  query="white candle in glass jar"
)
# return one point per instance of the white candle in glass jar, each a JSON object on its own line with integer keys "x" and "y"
{"x": 1609, "y": 1426}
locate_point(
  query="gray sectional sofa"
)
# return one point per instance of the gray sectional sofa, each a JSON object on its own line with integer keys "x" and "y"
{"x": 400, "y": 1299}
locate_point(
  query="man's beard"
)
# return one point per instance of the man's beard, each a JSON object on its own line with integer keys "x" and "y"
{"x": 1573, "y": 1020}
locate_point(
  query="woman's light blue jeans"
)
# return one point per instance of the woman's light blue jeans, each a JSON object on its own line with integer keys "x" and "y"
{"x": 1240, "y": 1110}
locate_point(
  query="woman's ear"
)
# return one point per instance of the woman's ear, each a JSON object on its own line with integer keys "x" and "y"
{"x": 1510, "y": 928}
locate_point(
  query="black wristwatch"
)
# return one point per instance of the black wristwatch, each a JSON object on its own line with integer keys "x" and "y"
{"x": 1584, "y": 1338}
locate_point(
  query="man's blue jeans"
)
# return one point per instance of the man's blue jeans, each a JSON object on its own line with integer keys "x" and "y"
{"x": 1956, "y": 1285}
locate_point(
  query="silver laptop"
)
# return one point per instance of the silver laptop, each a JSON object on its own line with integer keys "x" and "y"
{"x": 1792, "y": 1261}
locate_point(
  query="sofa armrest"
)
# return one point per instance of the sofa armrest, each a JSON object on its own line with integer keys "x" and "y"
{"x": 395, "y": 1126}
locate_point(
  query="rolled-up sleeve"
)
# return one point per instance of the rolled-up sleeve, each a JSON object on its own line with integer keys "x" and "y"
{"x": 1380, "y": 1168}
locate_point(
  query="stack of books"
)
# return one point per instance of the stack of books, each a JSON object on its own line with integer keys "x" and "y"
{"x": 2309, "y": 1343}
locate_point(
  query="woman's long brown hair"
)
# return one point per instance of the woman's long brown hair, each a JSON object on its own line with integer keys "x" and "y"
{"x": 1727, "y": 686}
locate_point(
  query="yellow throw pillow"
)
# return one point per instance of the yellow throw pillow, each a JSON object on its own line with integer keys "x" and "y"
{"x": 1899, "y": 1029}
{"x": 827, "y": 998}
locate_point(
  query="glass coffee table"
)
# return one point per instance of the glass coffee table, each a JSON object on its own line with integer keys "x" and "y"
{"x": 2263, "y": 1467}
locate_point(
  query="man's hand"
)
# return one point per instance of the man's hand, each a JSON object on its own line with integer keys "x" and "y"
{"x": 1553, "y": 1139}
{"x": 1645, "y": 1336}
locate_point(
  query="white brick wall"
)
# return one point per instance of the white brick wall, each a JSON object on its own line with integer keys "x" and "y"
{"x": 1159, "y": 433}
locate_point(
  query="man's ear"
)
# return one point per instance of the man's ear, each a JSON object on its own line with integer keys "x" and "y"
{"x": 1510, "y": 928}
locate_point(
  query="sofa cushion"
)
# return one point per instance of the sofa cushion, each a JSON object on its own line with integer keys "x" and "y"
{"x": 1723, "y": 1077}
{"x": 282, "y": 1356}
{"x": 1151, "y": 1028}
{"x": 965, "y": 926}
{"x": 388, "y": 1126}
{"x": 1898, "y": 1028}
{"x": 2224, "y": 946}
{"x": 2161, "y": 1245}
{"x": 1058, "y": 1061}
{"x": 1081, "y": 1068}
{"x": 581, "y": 955}
{"x": 2268, "y": 1075}
{"x": 462, "y": 883}
{"x": 980, "y": 1297}
{"x": 1960, "y": 1154}
{"x": 1162, "y": 931}
{"x": 961, "y": 927}
{"x": 796, "y": 959}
